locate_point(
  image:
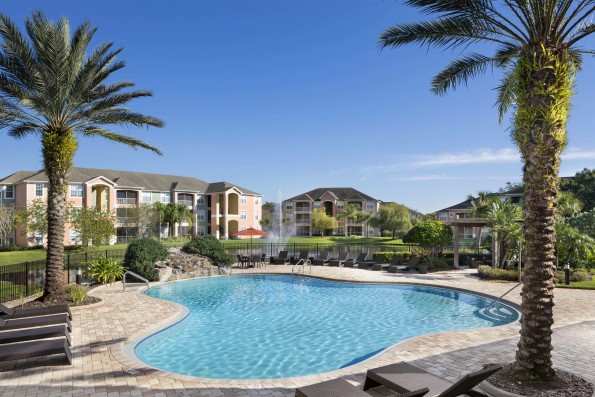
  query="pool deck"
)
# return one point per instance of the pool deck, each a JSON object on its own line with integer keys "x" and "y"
{"x": 100, "y": 367}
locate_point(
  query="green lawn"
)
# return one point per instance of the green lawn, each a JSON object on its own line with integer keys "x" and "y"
{"x": 580, "y": 285}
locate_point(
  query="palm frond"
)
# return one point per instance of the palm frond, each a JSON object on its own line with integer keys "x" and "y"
{"x": 506, "y": 97}
{"x": 21, "y": 130}
{"x": 582, "y": 32}
{"x": 112, "y": 136}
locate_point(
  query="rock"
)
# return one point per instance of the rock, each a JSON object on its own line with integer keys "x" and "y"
{"x": 180, "y": 265}
{"x": 164, "y": 273}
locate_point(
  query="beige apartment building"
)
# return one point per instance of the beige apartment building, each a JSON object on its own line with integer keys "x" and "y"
{"x": 297, "y": 211}
{"x": 219, "y": 208}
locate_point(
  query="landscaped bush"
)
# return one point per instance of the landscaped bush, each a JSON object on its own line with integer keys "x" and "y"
{"x": 384, "y": 257}
{"x": 105, "y": 270}
{"x": 76, "y": 292}
{"x": 210, "y": 247}
{"x": 434, "y": 263}
{"x": 490, "y": 273}
{"x": 580, "y": 275}
{"x": 141, "y": 256}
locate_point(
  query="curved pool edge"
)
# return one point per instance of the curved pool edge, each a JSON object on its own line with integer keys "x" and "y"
{"x": 124, "y": 351}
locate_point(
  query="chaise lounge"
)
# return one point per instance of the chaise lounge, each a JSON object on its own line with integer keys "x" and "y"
{"x": 281, "y": 259}
{"x": 340, "y": 260}
{"x": 322, "y": 259}
{"x": 6, "y": 312}
{"x": 37, "y": 348}
{"x": 28, "y": 334}
{"x": 341, "y": 388}
{"x": 404, "y": 377}
{"x": 29, "y": 322}
{"x": 361, "y": 258}
{"x": 394, "y": 261}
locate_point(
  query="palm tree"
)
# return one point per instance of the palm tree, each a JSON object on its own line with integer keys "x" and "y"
{"x": 503, "y": 219}
{"x": 535, "y": 45}
{"x": 480, "y": 206}
{"x": 179, "y": 213}
{"x": 50, "y": 87}
{"x": 350, "y": 211}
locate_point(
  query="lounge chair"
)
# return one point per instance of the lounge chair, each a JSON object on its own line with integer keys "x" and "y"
{"x": 38, "y": 348}
{"x": 6, "y": 312}
{"x": 413, "y": 262}
{"x": 394, "y": 261}
{"x": 304, "y": 255}
{"x": 322, "y": 259}
{"x": 396, "y": 264}
{"x": 341, "y": 388}
{"x": 29, "y": 322}
{"x": 27, "y": 334}
{"x": 360, "y": 261}
{"x": 340, "y": 260}
{"x": 282, "y": 258}
{"x": 404, "y": 377}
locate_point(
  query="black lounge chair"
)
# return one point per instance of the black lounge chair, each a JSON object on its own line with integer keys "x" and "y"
{"x": 322, "y": 259}
{"x": 6, "y": 312}
{"x": 340, "y": 260}
{"x": 281, "y": 259}
{"x": 30, "y": 322}
{"x": 27, "y": 334}
{"x": 38, "y": 348}
{"x": 403, "y": 377}
{"x": 394, "y": 261}
{"x": 341, "y": 388}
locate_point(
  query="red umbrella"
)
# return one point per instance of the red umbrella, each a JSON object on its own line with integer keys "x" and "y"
{"x": 250, "y": 232}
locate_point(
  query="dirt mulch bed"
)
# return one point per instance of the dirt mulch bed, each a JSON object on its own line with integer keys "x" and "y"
{"x": 564, "y": 384}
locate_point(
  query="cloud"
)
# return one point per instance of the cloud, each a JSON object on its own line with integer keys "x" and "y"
{"x": 423, "y": 178}
{"x": 476, "y": 157}
{"x": 576, "y": 154}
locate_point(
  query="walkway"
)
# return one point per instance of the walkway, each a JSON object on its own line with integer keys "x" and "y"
{"x": 101, "y": 369}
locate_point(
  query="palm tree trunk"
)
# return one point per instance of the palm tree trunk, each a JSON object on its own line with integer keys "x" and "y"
{"x": 540, "y": 121}
{"x": 58, "y": 151}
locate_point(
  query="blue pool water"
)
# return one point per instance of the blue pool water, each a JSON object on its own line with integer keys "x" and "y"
{"x": 267, "y": 326}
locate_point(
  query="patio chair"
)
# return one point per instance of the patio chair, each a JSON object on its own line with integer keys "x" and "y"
{"x": 303, "y": 256}
{"x": 38, "y": 348}
{"x": 27, "y": 334}
{"x": 404, "y": 377}
{"x": 360, "y": 260}
{"x": 322, "y": 259}
{"x": 340, "y": 260}
{"x": 413, "y": 262}
{"x": 242, "y": 261}
{"x": 29, "y": 322}
{"x": 263, "y": 261}
{"x": 6, "y": 312}
{"x": 396, "y": 264}
{"x": 341, "y": 388}
{"x": 282, "y": 258}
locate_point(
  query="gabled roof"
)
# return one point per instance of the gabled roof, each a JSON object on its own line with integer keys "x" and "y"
{"x": 17, "y": 177}
{"x": 341, "y": 193}
{"x": 220, "y": 187}
{"x": 460, "y": 206}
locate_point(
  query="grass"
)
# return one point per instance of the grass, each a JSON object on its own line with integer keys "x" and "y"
{"x": 579, "y": 285}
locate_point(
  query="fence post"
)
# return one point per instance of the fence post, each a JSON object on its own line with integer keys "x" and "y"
{"x": 106, "y": 254}
{"x": 26, "y": 278}
{"x": 86, "y": 257}
{"x": 68, "y": 268}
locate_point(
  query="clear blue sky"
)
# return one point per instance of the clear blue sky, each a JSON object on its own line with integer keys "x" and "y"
{"x": 294, "y": 95}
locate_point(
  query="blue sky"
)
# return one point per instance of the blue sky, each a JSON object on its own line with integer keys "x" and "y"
{"x": 295, "y": 95}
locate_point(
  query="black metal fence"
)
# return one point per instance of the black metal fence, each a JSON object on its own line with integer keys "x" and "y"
{"x": 25, "y": 279}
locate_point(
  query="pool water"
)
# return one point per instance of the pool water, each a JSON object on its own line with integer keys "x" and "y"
{"x": 269, "y": 326}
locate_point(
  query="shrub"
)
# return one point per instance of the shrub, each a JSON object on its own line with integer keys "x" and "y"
{"x": 141, "y": 256}
{"x": 76, "y": 292}
{"x": 434, "y": 263}
{"x": 210, "y": 247}
{"x": 490, "y": 273}
{"x": 580, "y": 275}
{"x": 105, "y": 270}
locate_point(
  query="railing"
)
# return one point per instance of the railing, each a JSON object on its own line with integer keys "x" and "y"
{"x": 126, "y": 201}
{"x": 302, "y": 265}
{"x": 186, "y": 202}
{"x": 141, "y": 278}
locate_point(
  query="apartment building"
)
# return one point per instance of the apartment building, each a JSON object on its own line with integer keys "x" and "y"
{"x": 297, "y": 211}
{"x": 219, "y": 208}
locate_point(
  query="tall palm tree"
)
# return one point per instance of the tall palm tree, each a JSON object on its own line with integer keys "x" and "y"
{"x": 503, "y": 218}
{"x": 480, "y": 207}
{"x": 535, "y": 45}
{"x": 350, "y": 211}
{"x": 50, "y": 87}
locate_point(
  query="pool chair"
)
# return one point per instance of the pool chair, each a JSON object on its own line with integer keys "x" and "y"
{"x": 341, "y": 388}
{"x": 340, "y": 260}
{"x": 37, "y": 348}
{"x": 403, "y": 377}
{"x": 360, "y": 261}
{"x": 6, "y": 312}
{"x": 28, "y": 334}
{"x": 322, "y": 259}
{"x": 281, "y": 259}
{"x": 30, "y": 322}
{"x": 302, "y": 256}
{"x": 395, "y": 264}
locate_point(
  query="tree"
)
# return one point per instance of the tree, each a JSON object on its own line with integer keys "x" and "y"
{"x": 568, "y": 204}
{"x": 7, "y": 221}
{"x": 172, "y": 213}
{"x": 503, "y": 219}
{"x": 54, "y": 86}
{"x": 535, "y": 45}
{"x": 583, "y": 187}
{"x": 572, "y": 246}
{"x": 94, "y": 227}
{"x": 430, "y": 235}
{"x": 320, "y": 220}
{"x": 268, "y": 209}
{"x": 394, "y": 217}
{"x": 33, "y": 218}
{"x": 583, "y": 222}
{"x": 481, "y": 204}
{"x": 146, "y": 219}
{"x": 352, "y": 211}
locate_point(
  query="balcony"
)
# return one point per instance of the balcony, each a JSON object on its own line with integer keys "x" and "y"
{"x": 302, "y": 209}
{"x": 126, "y": 201}
{"x": 126, "y": 220}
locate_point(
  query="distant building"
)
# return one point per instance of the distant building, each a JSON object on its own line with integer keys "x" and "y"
{"x": 297, "y": 211}
{"x": 220, "y": 208}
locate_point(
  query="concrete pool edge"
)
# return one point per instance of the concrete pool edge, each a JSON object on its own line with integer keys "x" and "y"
{"x": 123, "y": 352}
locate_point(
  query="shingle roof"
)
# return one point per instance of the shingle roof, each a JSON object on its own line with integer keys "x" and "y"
{"x": 17, "y": 176}
{"x": 460, "y": 206}
{"x": 220, "y": 187}
{"x": 342, "y": 193}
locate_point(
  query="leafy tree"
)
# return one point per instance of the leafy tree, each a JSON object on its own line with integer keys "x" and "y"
{"x": 146, "y": 220}
{"x": 583, "y": 187}
{"x": 141, "y": 255}
{"x": 172, "y": 213}
{"x": 95, "y": 227}
{"x": 583, "y": 222}
{"x": 503, "y": 218}
{"x": 394, "y": 217}
{"x": 536, "y": 46}
{"x": 33, "y": 218}
{"x": 568, "y": 204}
{"x": 352, "y": 211}
{"x": 7, "y": 221}
{"x": 510, "y": 186}
{"x": 54, "y": 86}
{"x": 268, "y": 209}
{"x": 320, "y": 220}
{"x": 572, "y": 246}
{"x": 430, "y": 235}
{"x": 209, "y": 246}
{"x": 481, "y": 205}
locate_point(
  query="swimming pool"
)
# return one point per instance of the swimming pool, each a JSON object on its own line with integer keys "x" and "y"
{"x": 277, "y": 326}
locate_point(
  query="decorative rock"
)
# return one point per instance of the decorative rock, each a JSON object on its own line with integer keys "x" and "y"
{"x": 164, "y": 273}
{"x": 180, "y": 265}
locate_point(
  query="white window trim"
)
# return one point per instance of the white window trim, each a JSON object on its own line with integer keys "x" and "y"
{"x": 243, "y": 199}
{"x": 201, "y": 215}
{"x": 201, "y": 200}
{"x": 82, "y": 191}
{"x": 145, "y": 195}
{"x": 37, "y": 185}
{"x": 162, "y": 196}
{"x": 243, "y": 215}
{"x": 11, "y": 188}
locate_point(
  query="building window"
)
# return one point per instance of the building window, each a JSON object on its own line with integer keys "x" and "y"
{"x": 340, "y": 205}
{"x": 9, "y": 192}
{"x": 74, "y": 212}
{"x": 442, "y": 216}
{"x": 371, "y": 231}
{"x": 75, "y": 237}
{"x": 202, "y": 231}
{"x": 165, "y": 198}
{"x": 289, "y": 218}
{"x": 76, "y": 190}
{"x": 317, "y": 204}
{"x": 39, "y": 190}
{"x": 38, "y": 239}
{"x": 243, "y": 199}
{"x": 185, "y": 199}
{"x": 340, "y": 231}
{"x": 256, "y": 200}
{"x": 200, "y": 200}
{"x": 289, "y": 206}
{"x": 288, "y": 230}
{"x": 370, "y": 205}
{"x": 147, "y": 197}
{"x": 242, "y": 214}
{"x": 256, "y": 216}
{"x": 183, "y": 230}
{"x": 200, "y": 215}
